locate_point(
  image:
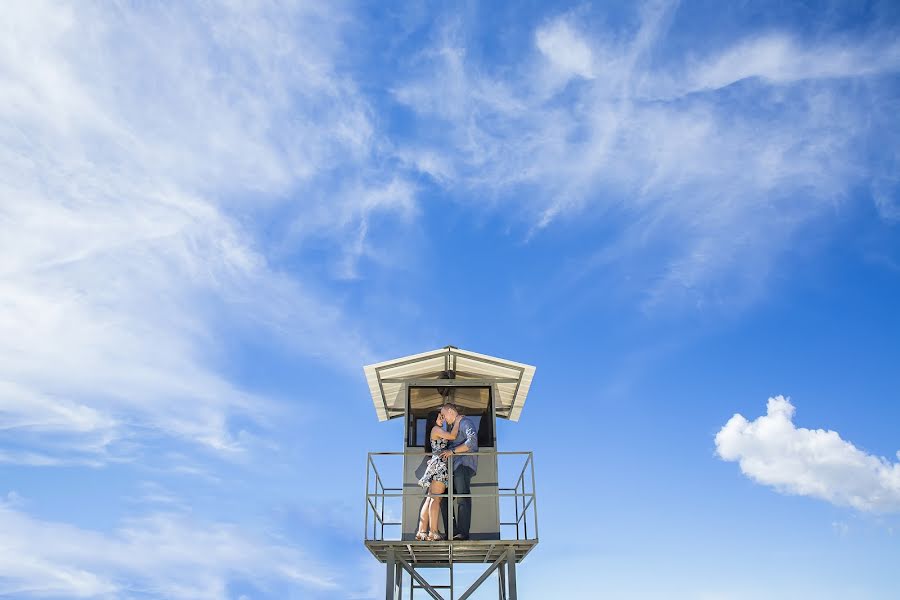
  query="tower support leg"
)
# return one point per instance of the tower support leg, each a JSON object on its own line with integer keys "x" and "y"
{"x": 390, "y": 577}
{"x": 511, "y": 573}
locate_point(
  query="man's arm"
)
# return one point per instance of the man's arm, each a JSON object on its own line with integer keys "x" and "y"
{"x": 471, "y": 443}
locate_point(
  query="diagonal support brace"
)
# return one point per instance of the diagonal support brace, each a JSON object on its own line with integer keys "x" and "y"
{"x": 484, "y": 576}
{"x": 419, "y": 579}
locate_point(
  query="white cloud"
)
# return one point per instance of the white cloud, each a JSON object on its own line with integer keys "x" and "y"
{"x": 780, "y": 58}
{"x": 138, "y": 150}
{"x": 563, "y": 46}
{"x": 841, "y": 528}
{"x": 702, "y": 189}
{"x": 773, "y": 451}
{"x": 347, "y": 218}
{"x": 886, "y": 193}
{"x": 160, "y": 555}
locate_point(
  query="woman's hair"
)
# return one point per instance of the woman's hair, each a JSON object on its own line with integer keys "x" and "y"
{"x": 430, "y": 423}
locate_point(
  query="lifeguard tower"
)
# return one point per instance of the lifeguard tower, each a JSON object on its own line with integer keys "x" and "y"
{"x": 504, "y": 504}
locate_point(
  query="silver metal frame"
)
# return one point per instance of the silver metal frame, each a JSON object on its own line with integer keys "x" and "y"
{"x": 526, "y": 476}
{"x": 404, "y": 558}
{"x": 412, "y": 557}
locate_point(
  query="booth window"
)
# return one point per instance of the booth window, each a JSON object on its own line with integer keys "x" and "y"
{"x": 473, "y": 402}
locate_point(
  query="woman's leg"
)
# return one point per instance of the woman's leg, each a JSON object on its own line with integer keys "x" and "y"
{"x": 424, "y": 514}
{"x": 434, "y": 510}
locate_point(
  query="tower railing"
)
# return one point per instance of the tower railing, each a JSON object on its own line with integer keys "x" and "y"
{"x": 516, "y": 495}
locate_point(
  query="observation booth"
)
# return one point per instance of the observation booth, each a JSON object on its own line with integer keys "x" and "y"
{"x": 504, "y": 505}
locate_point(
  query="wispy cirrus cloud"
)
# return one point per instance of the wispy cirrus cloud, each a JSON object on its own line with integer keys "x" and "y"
{"x": 706, "y": 168}
{"x": 773, "y": 451}
{"x": 141, "y": 149}
{"x": 170, "y": 555}
{"x": 781, "y": 58}
{"x": 346, "y": 220}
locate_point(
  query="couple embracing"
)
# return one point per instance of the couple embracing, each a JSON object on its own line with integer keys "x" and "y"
{"x": 460, "y": 440}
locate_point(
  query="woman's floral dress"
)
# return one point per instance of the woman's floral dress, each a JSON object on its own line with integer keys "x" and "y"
{"x": 437, "y": 466}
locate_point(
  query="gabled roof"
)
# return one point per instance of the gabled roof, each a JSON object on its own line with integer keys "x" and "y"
{"x": 386, "y": 379}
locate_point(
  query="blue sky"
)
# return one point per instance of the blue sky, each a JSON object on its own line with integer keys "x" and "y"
{"x": 685, "y": 215}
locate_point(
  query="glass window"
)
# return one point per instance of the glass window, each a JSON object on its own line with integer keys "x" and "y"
{"x": 420, "y": 432}
{"x": 473, "y": 402}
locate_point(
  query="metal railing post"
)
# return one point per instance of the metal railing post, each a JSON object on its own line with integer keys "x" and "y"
{"x": 366, "y": 526}
{"x": 524, "y": 507}
{"x": 383, "y": 501}
{"x": 533, "y": 495}
{"x": 516, "y": 504}
{"x": 450, "y": 513}
{"x": 375, "y": 508}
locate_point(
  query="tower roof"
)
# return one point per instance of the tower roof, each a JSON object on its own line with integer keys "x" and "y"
{"x": 386, "y": 379}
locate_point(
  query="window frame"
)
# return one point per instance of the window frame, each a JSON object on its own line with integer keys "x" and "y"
{"x": 411, "y": 422}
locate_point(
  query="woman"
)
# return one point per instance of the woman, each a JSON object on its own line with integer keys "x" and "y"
{"x": 436, "y": 475}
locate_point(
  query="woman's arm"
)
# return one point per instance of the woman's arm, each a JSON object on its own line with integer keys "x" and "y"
{"x": 437, "y": 432}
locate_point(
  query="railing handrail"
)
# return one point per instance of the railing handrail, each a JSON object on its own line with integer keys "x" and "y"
{"x": 445, "y": 495}
{"x": 450, "y": 495}
{"x": 479, "y": 453}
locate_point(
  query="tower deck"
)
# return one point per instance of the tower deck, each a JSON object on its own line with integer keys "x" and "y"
{"x": 444, "y": 552}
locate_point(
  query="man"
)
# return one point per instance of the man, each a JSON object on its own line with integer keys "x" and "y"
{"x": 464, "y": 468}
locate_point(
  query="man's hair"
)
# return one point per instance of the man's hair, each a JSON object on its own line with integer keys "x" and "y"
{"x": 450, "y": 405}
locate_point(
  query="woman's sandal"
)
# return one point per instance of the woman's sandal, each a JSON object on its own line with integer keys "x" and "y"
{"x": 421, "y": 536}
{"x": 435, "y": 536}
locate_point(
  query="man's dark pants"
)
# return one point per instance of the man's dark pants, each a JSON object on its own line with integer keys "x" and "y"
{"x": 462, "y": 483}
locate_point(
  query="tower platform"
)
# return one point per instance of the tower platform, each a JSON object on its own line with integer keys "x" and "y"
{"x": 444, "y": 552}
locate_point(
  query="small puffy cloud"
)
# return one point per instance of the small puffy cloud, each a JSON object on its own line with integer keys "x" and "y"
{"x": 809, "y": 462}
{"x": 565, "y": 48}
